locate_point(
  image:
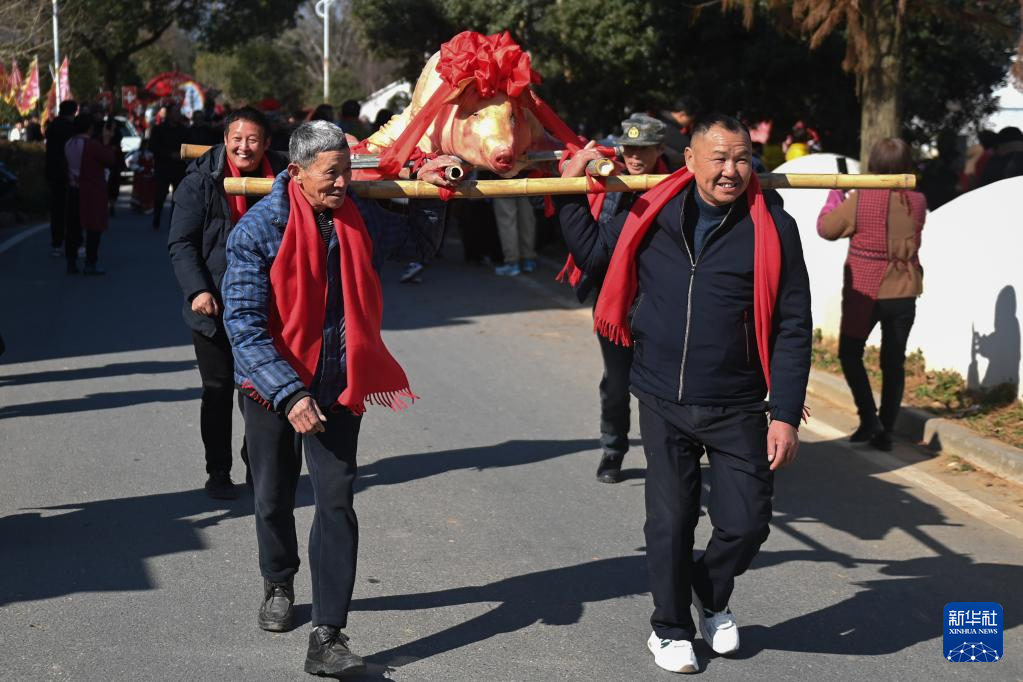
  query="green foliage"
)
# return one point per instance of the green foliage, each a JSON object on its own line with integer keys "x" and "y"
{"x": 260, "y": 69}
{"x": 954, "y": 56}
{"x": 944, "y": 387}
{"x": 112, "y": 31}
{"x": 213, "y": 69}
{"x": 601, "y": 60}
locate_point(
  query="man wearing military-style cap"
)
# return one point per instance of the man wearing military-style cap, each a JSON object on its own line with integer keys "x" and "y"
{"x": 642, "y": 145}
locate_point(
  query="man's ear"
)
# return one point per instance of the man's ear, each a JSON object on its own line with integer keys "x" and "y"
{"x": 295, "y": 171}
{"x": 689, "y": 158}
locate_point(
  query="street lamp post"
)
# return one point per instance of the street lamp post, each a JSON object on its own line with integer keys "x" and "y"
{"x": 56, "y": 53}
{"x": 322, "y": 11}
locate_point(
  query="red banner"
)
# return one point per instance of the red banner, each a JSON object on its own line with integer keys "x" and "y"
{"x": 13, "y": 85}
{"x": 29, "y": 95}
{"x": 129, "y": 93}
{"x": 106, "y": 99}
{"x": 65, "y": 82}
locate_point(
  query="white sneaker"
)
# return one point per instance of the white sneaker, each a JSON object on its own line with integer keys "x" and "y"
{"x": 675, "y": 655}
{"x": 719, "y": 629}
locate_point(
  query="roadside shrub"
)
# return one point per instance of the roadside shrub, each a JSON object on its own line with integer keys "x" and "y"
{"x": 27, "y": 160}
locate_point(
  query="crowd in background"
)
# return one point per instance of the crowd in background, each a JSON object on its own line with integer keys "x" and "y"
{"x": 504, "y": 234}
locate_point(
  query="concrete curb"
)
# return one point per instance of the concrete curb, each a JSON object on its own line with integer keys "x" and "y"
{"x": 940, "y": 435}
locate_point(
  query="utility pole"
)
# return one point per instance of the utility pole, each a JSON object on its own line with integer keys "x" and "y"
{"x": 322, "y": 11}
{"x": 56, "y": 54}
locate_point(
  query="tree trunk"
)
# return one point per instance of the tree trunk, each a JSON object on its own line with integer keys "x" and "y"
{"x": 881, "y": 79}
{"x": 111, "y": 70}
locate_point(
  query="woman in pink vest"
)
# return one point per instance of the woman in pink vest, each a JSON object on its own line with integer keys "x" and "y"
{"x": 88, "y": 160}
{"x": 883, "y": 277}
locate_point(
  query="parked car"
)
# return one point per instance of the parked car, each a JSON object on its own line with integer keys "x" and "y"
{"x": 130, "y": 141}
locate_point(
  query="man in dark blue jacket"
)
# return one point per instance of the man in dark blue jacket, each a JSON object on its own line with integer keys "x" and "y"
{"x": 698, "y": 376}
{"x": 200, "y": 223}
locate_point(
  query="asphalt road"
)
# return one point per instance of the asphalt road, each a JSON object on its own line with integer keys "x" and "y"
{"x": 488, "y": 550}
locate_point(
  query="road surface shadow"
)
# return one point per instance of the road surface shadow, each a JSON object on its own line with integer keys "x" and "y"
{"x": 831, "y": 487}
{"x": 115, "y": 369}
{"x": 404, "y": 468}
{"x": 552, "y": 597}
{"x": 103, "y": 545}
{"x": 100, "y": 401}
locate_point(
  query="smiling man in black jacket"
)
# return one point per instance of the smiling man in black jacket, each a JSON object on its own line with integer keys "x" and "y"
{"x": 202, "y": 219}
{"x": 709, "y": 286}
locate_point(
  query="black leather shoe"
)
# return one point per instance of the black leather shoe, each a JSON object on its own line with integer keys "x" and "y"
{"x": 221, "y": 487}
{"x": 882, "y": 440}
{"x": 277, "y": 610}
{"x": 329, "y": 653}
{"x": 865, "y": 432}
{"x": 610, "y": 468}
{"x": 91, "y": 269}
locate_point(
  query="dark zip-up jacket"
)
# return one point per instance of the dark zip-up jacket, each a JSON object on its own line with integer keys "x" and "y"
{"x": 692, "y": 321}
{"x": 614, "y": 204}
{"x": 199, "y": 227}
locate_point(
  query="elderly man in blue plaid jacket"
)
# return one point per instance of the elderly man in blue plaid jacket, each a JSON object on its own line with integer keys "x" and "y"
{"x": 301, "y": 283}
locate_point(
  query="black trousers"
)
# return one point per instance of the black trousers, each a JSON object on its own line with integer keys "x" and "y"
{"x": 58, "y": 212}
{"x": 75, "y": 236}
{"x": 896, "y": 316}
{"x": 741, "y": 486}
{"x": 614, "y": 397}
{"x": 163, "y": 183}
{"x": 216, "y": 368}
{"x": 275, "y": 459}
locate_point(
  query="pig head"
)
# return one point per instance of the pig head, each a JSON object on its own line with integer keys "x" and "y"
{"x": 492, "y": 133}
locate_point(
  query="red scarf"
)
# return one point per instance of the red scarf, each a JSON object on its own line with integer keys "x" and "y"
{"x": 298, "y": 280}
{"x": 621, "y": 281}
{"x": 237, "y": 202}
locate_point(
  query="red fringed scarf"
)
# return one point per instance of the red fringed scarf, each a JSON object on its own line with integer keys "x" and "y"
{"x": 298, "y": 280}
{"x": 237, "y": 202}
{"x": 621, "y": 281}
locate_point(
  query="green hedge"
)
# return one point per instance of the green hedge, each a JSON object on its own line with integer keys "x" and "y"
{"x": 28, "y": 161}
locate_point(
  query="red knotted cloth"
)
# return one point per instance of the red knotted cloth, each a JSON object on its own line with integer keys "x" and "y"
{"x": 237, "y": 202}
{"x": 492, "y": 64}
{"x": 298, "y": 282}
{"x": 621, "y": 282}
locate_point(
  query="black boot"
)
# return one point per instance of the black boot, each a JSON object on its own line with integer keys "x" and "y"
{"x": 219, "y": 486}
{"x": 277, "y": 609}
{"x": 610, "y": 468}
{"x": 866, "y": 431}
{"x": 882, "y": 440}
{"x": 329, "y": 653}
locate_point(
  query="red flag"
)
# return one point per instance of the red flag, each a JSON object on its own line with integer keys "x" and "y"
{"x": 29, "y": 95}
{"x": 129, "y": 93}
{"x": 65, "y": 82}
{"x": 51, "y": 104}
{"x": 13, "y": 85}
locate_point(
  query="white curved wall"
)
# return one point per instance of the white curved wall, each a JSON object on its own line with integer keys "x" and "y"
{"x": 972, "y": 255}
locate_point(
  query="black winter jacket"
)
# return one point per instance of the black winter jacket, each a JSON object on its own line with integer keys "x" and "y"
{"x": 199, "y": 227}
{"x": 692, "y": 322}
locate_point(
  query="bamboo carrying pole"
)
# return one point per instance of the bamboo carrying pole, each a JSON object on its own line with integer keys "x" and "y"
{"x": 599, "y": 167}
{"x": 483, "y": 189}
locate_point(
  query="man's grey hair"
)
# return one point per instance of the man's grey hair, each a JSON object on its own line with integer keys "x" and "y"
{"x": 313, "y": 137}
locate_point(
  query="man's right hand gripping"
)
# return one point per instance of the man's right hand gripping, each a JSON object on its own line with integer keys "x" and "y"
{"x": 306, "y": 417}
